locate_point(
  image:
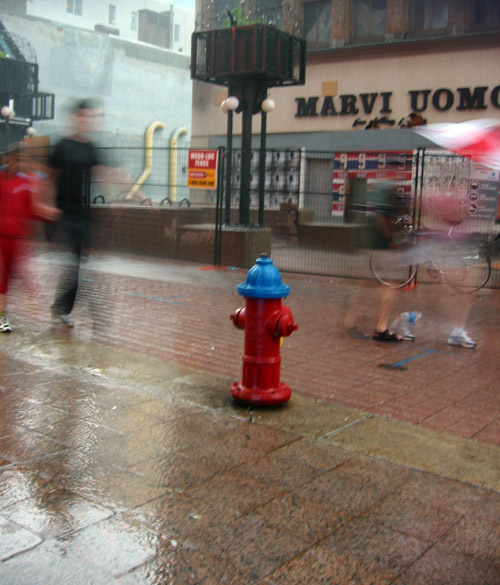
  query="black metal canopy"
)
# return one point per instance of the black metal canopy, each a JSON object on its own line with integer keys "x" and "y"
{"x": 259, "y": 51}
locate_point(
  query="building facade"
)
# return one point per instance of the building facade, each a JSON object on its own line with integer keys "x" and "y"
{"x": 372, "y": 64}
{"x": 373, "y": 68}
{"x": 151, "y": 21}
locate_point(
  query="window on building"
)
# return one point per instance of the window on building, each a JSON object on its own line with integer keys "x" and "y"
{"x": 369, "y": 18}
{"x": 133, "y": 21}
{"x": 430, "y": 14}
{"x": 112, "y": 14}
{"x": 164, "y": 20}
{"x": 177, "y": 33}
{"x": 486, "y": 12}
{"x": 155, "y": 28}
{"x": 317, "y": 21}
{"x": 74, "y": 7}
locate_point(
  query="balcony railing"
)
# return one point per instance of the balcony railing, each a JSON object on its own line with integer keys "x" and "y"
{"x": 18, "y": 77}
{"x": 35, "y": 107}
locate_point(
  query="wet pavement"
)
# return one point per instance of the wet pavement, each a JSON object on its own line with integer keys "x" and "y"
{"x": 123, "y": 459}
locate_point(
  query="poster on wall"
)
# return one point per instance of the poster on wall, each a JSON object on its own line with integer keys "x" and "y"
{"x": 482, "y": 192}
{"x": 370, "y": 168}
{"x": 476, "y": 185}
{"x": 281, "y": 177}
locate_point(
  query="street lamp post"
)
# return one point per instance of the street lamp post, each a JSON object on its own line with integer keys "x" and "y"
{"x": 266, "y": 107}
{"x": 253, "y": 99}
{"x": 246, "y": 152}
{"x": 228, "y": 106}
{"x": 8, "y": 113}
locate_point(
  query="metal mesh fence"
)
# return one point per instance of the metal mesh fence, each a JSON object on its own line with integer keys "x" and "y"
{"x": 318, "y": 205}
{"x": 281, "y": 177}
{"x": 156, "y": 174}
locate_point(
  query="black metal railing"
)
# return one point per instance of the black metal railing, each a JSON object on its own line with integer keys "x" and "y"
{"x": 36, "y": 107}
{"x": 18, "y": 78}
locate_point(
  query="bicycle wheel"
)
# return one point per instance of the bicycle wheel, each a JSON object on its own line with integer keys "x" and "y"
{"x": 470, "y": 271}
{"x": 387, "y": 272}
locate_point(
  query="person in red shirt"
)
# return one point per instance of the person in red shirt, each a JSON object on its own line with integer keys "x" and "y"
{"x": 19, "y": 205}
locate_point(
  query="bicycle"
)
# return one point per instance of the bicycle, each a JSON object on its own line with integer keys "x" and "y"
{"x": 463, "y": 265}
{"x": 491, "y": 247}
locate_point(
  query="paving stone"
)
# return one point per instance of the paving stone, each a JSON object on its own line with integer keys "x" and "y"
{"x": 322, "y": 566}
{"x": 375, "y": 545}
{"x": 54, "y": 512}
{"x": 424, "y": 521}
{"x": 475, "y": 537}
{"x": 15, "y": 539}
{"x": 442, "y": 567}
{"x": 189, "y": 567}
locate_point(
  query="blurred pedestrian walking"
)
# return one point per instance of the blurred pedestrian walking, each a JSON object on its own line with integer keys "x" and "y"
{"x": 73, "y": 160}
{"x": 19, "y": 205}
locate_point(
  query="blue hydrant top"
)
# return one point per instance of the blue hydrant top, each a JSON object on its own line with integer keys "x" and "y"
{"x": 263, "y": 281}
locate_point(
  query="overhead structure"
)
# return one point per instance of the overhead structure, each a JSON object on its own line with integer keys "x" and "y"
{"x": 248, "y": 60}
{"x": 19, "y": 92}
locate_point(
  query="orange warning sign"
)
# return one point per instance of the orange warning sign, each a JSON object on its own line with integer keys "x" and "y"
{"x": 202, "y": 169}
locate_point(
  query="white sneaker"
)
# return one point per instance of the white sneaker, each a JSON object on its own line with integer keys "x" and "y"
{"x": 4, "y": 324}
{"x": 461, "y": 338}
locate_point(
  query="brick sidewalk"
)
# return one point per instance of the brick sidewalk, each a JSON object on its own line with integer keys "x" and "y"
{"x": 118, "y": 468}
{"x": 180, "y": 312}
{"x": 123, "y": 459}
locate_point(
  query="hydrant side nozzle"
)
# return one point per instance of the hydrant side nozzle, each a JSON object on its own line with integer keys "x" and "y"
{"x": 238, "y": 318}
{"x": 280, "y": 323}
{"x": 285, "y": 325}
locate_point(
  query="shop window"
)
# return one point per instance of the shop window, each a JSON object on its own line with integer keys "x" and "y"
{"x": 317, "y": 21}
{"x": 369, "y": 19}
{"x": 74, "y": 7}
{"x": 430, "y": 14}
{"x": 112, "y": 14}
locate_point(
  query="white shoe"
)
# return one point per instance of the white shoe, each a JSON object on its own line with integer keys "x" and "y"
{"x": 461, "y": 338}
{"x": 4, "y": 324}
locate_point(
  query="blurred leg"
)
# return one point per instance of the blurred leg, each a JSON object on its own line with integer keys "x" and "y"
{"x": 387, "y": 300}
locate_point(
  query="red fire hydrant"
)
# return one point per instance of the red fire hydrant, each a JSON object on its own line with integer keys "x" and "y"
{"x": 265, "y": 321}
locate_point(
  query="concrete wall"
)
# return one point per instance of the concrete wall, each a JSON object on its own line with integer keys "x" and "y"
{"x": 183, "y": 233}
{"x": 180, "y": 233}
{"x": 189, "y": 233}
{"x": 137, "y": 84}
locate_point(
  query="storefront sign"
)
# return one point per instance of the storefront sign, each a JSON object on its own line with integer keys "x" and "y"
{"x": 442, "y": 100}
{"x": 202, "y": 169}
